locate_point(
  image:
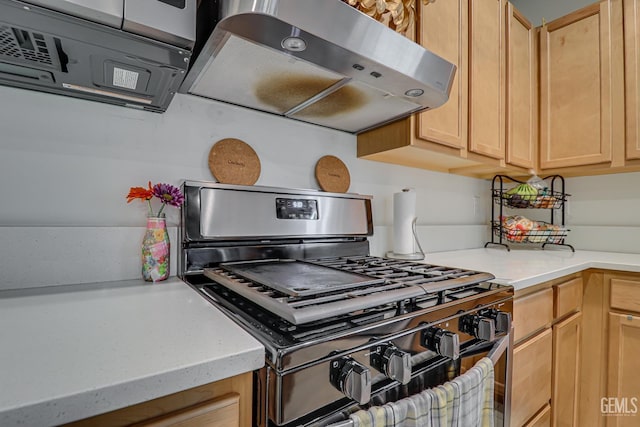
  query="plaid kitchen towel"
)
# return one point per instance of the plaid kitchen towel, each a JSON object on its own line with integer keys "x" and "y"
{"x": 409, "y": 412}
{"x": 466, "y": 401}
{"x": 376, "y": 416}
{"x": 488, "y": 381}
{"x": 418, "y": 410}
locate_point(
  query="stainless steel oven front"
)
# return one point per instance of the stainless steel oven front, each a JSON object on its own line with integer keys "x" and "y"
{"x": 400, "y": 358}
{"x": 342, "y": 330}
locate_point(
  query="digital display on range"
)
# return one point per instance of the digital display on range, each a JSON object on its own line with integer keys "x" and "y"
{"x": 296, "y": 208}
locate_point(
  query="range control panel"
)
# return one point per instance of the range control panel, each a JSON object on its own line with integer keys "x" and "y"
{"x": 296, "y": 208}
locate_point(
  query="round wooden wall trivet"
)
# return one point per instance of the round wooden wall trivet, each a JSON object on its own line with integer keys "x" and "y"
{"x": 332, "y": 174}
{"x": 233, "y": 161}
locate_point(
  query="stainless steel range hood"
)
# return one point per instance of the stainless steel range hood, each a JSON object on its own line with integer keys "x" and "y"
{"x": 318, "y": 61}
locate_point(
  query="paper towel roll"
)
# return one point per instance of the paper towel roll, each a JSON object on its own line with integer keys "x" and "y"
{"x": 404, "y": 211}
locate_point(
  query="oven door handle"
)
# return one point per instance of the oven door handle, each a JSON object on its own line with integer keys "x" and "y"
{"x": 497, "y": 351}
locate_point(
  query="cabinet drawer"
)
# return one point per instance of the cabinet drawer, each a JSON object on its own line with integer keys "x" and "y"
{"x": 568, "y": 297}
{"x": 532, "y": 313}
{"x": 531, "y": 388}
{"x": 625, "y": 294}
{"x": 224, "y": 411}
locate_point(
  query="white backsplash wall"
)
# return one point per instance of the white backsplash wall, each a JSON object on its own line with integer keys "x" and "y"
{"x": 603, "y": 212}
{"x": 66, "y": 166}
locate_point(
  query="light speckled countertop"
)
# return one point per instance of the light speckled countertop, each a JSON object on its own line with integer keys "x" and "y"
{"x": 70, "y": 352}
{"x": 523, "y": 268}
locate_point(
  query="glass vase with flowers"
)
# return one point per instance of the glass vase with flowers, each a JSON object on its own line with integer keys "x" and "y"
{"x": 155, "y": 244}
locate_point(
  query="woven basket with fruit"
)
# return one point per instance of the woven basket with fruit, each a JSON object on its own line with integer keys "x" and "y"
{"x": 527, "y": 196}
{"x": 518, "y": 229}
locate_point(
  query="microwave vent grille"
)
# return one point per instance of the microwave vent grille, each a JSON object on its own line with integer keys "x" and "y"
{"x": 23, "y": 44}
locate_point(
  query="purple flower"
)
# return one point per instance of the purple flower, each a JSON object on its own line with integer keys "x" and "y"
{"x": 168, "y": 195}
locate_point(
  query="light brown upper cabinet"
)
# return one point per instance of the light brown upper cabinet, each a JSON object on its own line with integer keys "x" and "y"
{"x": 487, "y": 77}
{"x": 550, "y": 98}
{"x": 467, "y": 134}
{"x": 435, "y": 139}
{"x": 522, "y": 90}
{"x": 632, "y": 76}
{"x": 443, "y": 30}
{"x": 582, "y": 87}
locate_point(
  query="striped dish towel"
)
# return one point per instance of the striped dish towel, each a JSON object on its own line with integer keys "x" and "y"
{"x": 409, "y": 412}
{"x": 466, "y": 401}
{"x": 376, "y": 416}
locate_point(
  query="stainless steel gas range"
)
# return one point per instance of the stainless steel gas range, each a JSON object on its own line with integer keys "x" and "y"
{"x": 343, "y": 330}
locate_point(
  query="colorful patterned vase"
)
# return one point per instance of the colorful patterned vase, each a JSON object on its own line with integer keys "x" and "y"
{"x": 155, "y": 250}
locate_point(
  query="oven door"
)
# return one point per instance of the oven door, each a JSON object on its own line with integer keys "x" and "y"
{"x": 500, "y": 352}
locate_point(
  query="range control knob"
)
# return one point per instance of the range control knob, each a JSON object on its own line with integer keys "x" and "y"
{"x": 443, "y": 342}
{"x": 394, "y": 363}
{"x": 502, "y": 319}
{"x": 351, "y": 378}
{"x": 478, "y": 326}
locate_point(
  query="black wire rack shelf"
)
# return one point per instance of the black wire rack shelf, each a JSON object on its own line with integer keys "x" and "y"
{"x": 506, "y": 230}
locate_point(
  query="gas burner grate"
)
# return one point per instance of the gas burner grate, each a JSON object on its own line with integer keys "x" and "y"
{"x": 432, "y": 278}
{"x": 305, "y": 309}
{"x": 400, "y": 281}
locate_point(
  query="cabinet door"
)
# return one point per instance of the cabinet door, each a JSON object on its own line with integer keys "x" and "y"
{"x": 531, "y": 385}
{"x": 443, "y": 30}
{"x": 487, "y": 77}
{"x": 582, "y": 87}
{"x": 624, "y": 375}
{"x": 566, "y": 371}
{"x": 522, "y": 90}
{"x": 632, "y": 76}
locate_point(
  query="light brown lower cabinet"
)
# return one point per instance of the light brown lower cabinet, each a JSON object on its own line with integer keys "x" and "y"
{"x": 620, "y": 401}
{"x": 546, "y": 362}
{"x": 531, "y": 385}
{"x": 224, "y": 403}
{"x": 566, "y": 371}
{"x": 576, "y": 362}
{"x": 622, "y": 406}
